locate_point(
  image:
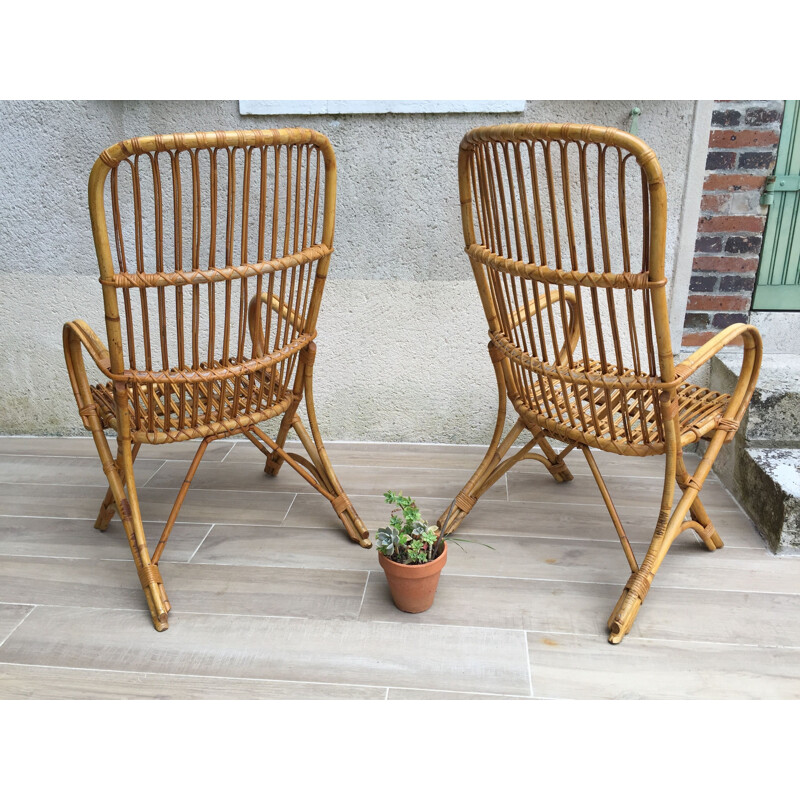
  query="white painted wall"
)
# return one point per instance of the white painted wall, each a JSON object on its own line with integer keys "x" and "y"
{"x": 402, "y": 337}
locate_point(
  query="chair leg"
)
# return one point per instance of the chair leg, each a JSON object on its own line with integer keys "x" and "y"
{"x": 275, "y": 461}
{"x": 122, "y": 485}
{"x": 669, "y": 526}
{"x": 493, "y": 467}
{"x": 315, "y": 447}
{"x": 107, "y": 508}
{"x": 119, "y": 473}
{"x": 705, "y": 528}
{"x": 317, "y": 471}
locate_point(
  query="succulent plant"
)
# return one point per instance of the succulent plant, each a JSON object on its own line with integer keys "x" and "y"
{"x": 408, "y": 539}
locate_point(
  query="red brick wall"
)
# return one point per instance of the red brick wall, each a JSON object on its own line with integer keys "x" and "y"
{"x": 741, "y": 154}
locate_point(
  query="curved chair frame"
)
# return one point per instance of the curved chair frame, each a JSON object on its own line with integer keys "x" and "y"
{"x": 253, "y": 379}
{"x": 649, "y": 410}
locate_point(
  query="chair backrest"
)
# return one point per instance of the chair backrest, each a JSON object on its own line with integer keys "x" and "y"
{"x": 202, "y": 226}
{"x": 565, "y": 228}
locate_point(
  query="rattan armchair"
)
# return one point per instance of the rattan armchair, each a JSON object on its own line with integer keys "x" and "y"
{"x": 565, "y": 228}
{"x": 212, "y": 279}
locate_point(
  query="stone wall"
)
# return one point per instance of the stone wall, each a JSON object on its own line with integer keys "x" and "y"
{"x": 402, "y": 336}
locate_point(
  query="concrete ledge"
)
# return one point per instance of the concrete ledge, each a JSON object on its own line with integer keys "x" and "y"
{"x": 769, "y": 482}
{"x": 773, "y": 419}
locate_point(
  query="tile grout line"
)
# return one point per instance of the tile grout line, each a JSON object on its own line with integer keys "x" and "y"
{"x": 287, "y": 513}
{"x": 363, "y": 595}
{"x": 232, "y": 448}
{"x": 358, "y": 568}
{"x": 482, "y": 533}
{"x": 142, "y": 486}
{"x": 191, "y": 675}
{"x": 451, "y": 626}
{"x": 340, "y": 465}
{"x": 30, "y": 611}
{"x": 253, "y": 680}
{"x": 638, "y": 638}
{"x": 208, "y": 532}
{"x": 528, "y": 660}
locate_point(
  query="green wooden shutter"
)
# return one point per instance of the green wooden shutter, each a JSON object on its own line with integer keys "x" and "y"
{"x": 778, "y": 282}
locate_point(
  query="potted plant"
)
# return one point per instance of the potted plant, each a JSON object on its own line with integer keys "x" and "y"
{"x": 412, "y": 554}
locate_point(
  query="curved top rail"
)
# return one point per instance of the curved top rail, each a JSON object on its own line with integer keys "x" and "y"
{"x": 572, "y": 132}
{"x": 138, "y": 145}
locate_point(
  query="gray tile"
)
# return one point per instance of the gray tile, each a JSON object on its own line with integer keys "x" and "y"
{"x": 552, "y": 520}
{"x": 460, "y": 457}
{"x": 269, "y": 605}
{"x": 586, "y": 521}
{"x": 687, "y": 565}
{"x": 314, "y": 511}
{"x": 83, "y": 446}
{"x": 587, "y": 667}
{"x": 610, "y": 464}
{"x": 379, "y": 454}
{"x": 49, "y": 446}
{"x": 213, "y": 589}
{"x": 500, "y": 603}
{"x": 65, "y": 470}
{"x": 78, "y": 538}
{"x": 22, "y": 682}
{"x": 356, "y": 480}
{"x": 329, "y": 651}
{"x": 200, "y": 506}
{"x": 424, "y": 694}
{"x": 241, "y": 476}
{"x": 308, "y": 548}
{"x": 758, "y": 618}
{"x": 10, "y": 616}
{"x": 626, "y": 492}
{"x": 583, "y": 608}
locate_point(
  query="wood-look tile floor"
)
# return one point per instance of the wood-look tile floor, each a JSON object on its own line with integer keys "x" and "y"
{"x": 271, "y": 600}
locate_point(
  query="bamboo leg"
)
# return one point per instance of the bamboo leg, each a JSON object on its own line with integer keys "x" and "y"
{"x": 668, "y": 527}
{"x": 638, "y": 584}
{"x": 107, "y": 509}
{"x": 118, "y": 473}
{"x": 305, "y": 362}
{"x": 601, "y": 484}
{"x": 705, "y": 528}
{"x": 130, "y": 513}
{"x": 275, "y": 460}
{"x": 187, "y": 481}
{"x": 492, "y": 467}
{"x": 318, "y": 472}
{"x": 316, "y": 450}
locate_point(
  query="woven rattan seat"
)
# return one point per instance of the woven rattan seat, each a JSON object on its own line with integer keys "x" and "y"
{"x": 699, "y": 409}
{"x": 260, "y": 396}
{"x": 213, "y": 251}
{"x": 565, "y": 228}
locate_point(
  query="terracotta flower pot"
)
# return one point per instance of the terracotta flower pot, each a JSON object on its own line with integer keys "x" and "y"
{"x": 413, "y": 586}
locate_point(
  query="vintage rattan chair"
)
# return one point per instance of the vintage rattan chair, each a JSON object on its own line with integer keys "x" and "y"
{"x": 212, "y": 281}
{"x": 565, "y": 228}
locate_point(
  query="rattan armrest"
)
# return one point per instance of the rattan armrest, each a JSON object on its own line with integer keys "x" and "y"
{"x": 286, "y": 313}
{"x": 91, "y": 341}
{"x": 704, "y": 353}
{"x": 748, "y": 375}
